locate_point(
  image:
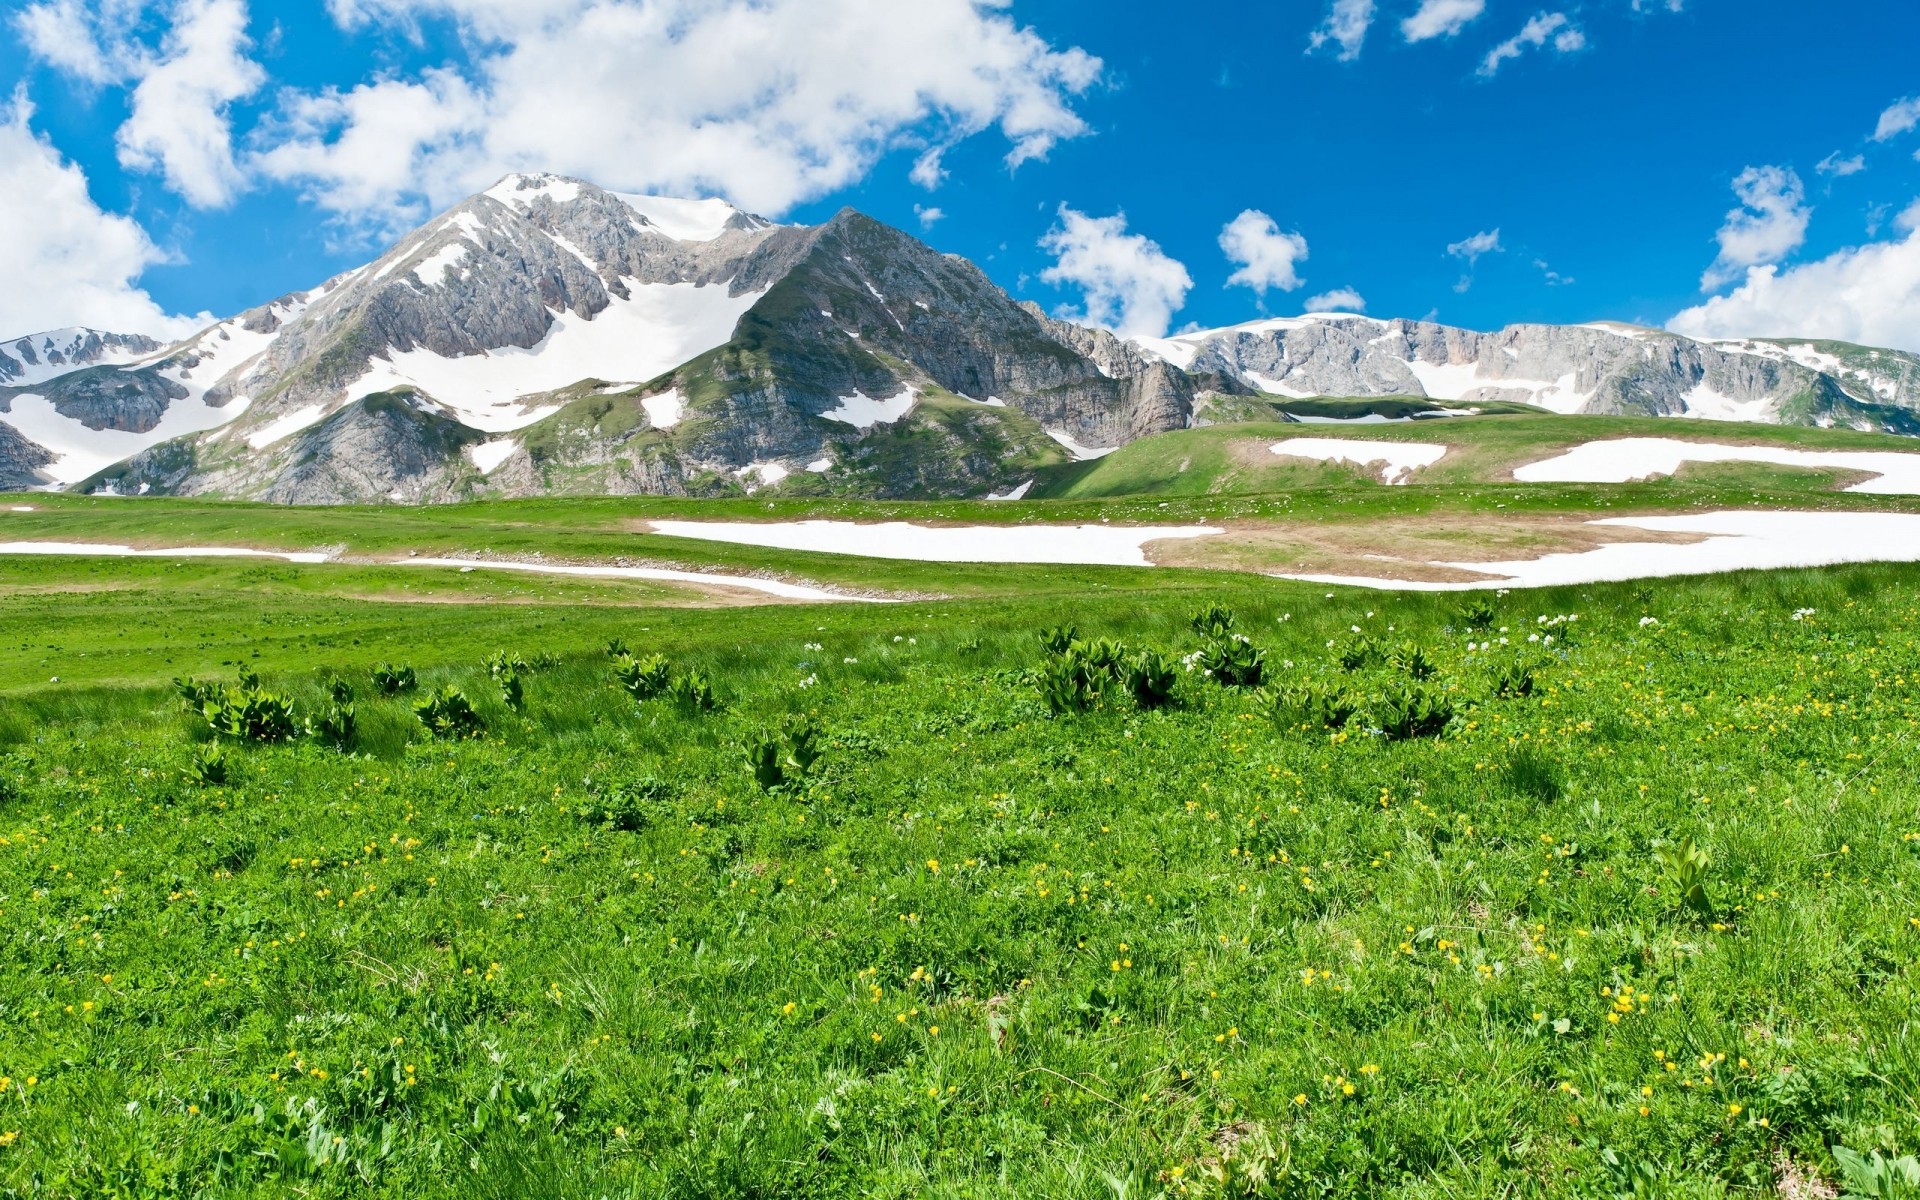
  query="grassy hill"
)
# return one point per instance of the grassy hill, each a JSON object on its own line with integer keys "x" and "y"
{"x": 1236, "y": 459}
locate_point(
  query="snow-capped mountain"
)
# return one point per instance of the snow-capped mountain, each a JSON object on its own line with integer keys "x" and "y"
{"x": 1603, "y": 368}
{"x": 549, "y": 336}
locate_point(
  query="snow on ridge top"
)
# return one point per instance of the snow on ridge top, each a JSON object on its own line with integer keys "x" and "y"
{"x": 682, "y": 220}
{"x": 518, "y": 191}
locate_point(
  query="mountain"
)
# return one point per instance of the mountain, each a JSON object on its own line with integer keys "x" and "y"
{"x": 550, "y": 337}
{"x": 1601, "y": 368}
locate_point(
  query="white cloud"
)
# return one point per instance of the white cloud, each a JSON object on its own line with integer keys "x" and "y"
{"x": 1553, "y": 277}
{"x": 1833, "y": 164}
{"x": 766, "y": 102}
{"x": 1346, "y": 26}
{"x": 1672, "y": 6}
{"x": 1535, "y": 33}
{"x": 1338, "y": 300}
{"x": 1440, "y": 18}
{"x": 178, "y": 122}
{"x": 1129, "y": 284}
{"x": 1868, "y": 294}
{"x": 1899, "y": 117}
{"x": 1266, "y": 257}
{"x": 1485, "y": 242}
{"x": 79, "y": 263}
{"x": 1771, "y": 224}
{"x": 929, "y": 217}
{"x": 85, "y": 40}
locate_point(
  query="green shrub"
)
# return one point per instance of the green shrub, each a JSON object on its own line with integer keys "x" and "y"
{"x": 1684, "y": 870}
{"x": 390, "y": 680}
{"x": 629, "y": 807}
{"x": 643, "y": 679}
{"x": 506, "y": 662}
{"x": 1408, "y": 710}
{"x": 1059, "y": 638}
{"x": 693, "y": 692}
{"x": 762, "y": 751}
{"x": 250, "y": 713}
{"x": 1214, "y": 622}
{"x": 207, "y": 766}
{"x": 1510, "y": 680}
{"x": 776, "y": 759}
{"x": 1413, "y": 662}
{"x": 1871, "y": 1175}
{"x": 1479, "y": 614}
{"x": 447, "y": 714}
{"x": 1233, "y": 661}
{"x": 1312, "y": 705}
{"x": 1358, "y": 652}
{"x": 618, "y": 649}
{"x": 1149, "y": 678}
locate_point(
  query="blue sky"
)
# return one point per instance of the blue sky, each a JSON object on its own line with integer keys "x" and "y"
{"x": 179, "y": 157}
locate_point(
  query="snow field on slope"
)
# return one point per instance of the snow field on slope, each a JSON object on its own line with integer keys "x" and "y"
{"x": 80, "y": 451}
{"x": 1624, "y": 460}
{"x": 1079, "y": 545}
{"x": 1732, "y": 541}
{"x": 1399, "y": 460}
{"x": 662, "y": 326}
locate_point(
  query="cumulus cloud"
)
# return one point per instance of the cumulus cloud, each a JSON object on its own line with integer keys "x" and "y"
{"x": 1835, "y": 165}
{"x": 1440, "y": 18}
{"x": 81, "y": 261}
{"x": 1473, "y": 248}
{"x": 1535, "y": 33}
{"x": 929, "y": 217}
{"x": 1672, "y": 6}
{"x": 1868, "y": 294}
{"x": 1128, "y": 283}
{"x": 1770, "y": 224}
{"x": 1346, "y": 27}
{"x": 84, "y": 40}
{"x": 1266, "y": 256}
{"x": 766, "y": 102}
{"x": 1338, "y": 300}
{"x": 178, "y": 122}
{"x": 1898, "y": 118}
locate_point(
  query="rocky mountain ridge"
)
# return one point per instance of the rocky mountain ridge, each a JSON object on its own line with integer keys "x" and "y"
{"x": 550, "y": 337}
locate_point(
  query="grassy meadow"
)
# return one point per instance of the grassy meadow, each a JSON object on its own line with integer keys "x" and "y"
{"x": 1608, "y": 891}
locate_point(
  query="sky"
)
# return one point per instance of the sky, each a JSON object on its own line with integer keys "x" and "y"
{"x": 1723, "y": 168}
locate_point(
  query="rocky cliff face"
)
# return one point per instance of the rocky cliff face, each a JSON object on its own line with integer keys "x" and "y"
{"x": 1601, "y": 368}
{"x": 38, "y": 356}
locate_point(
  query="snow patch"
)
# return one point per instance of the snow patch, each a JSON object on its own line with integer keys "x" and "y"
{"x": 1398, "y": 460}
{"x": 107, "y": 551}
{"x": 80, "y": 451}
{"x": 489, "y": 455}
{"x": 660, "y": 327}
{"x": 520, "y": 191}
{"x": 1624, "y": 460}
{"x": 864, "y": 412}
{"x": 432, "y": 271}
{"x": 771, "y": 587}
{"x": 1080, "y": 453}
{"x": 1733, "y": 541}
{"x": 293, "y": 422}
{"x": 665, "y": 410}
{"x": 682, "y": 220}
{"x": 1019, "y": 493}
{"x": 1275, "y": 387}
{"x": 1083, "y": 545}
{"x": 1703, "y": 403}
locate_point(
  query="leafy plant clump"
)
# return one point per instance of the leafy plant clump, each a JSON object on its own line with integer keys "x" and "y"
{"x": 1149, "y": 678}
{"x": 208, "y": 767}
{"x": 642, "y": 678}
{"x": 776, "y": 759}
{"x": 1685, "y": 867}
{"x": 1411, "y": 710}
{"x": 692, "y": 691}
{"x": 629, "y": 807}
{"x": 391, "y": 680}
{"x": 336, "y": 723}
{"x": 1310, "y": 705}
{"x": 1232, "y": 661}
{"x": 447, "y": 713}
{"x": 245, "y": 711}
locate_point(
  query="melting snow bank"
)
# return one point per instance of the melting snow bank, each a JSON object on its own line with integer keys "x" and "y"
{"x": 772, "y": 587}
{"x": 1623, "y": 460}
{"x": 1734, "y": 541}
{"x": 129, "y": 552}
{"x": 1063, "y": 545}
{"x": 1399, "y": 459}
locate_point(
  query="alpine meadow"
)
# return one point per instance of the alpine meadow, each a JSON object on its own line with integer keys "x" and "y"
{"x": 844, "y": 600}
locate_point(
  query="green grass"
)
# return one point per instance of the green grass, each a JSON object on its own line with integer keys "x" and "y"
{"x": 978, "y": 950}
{"x": 1233, "y": 458}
